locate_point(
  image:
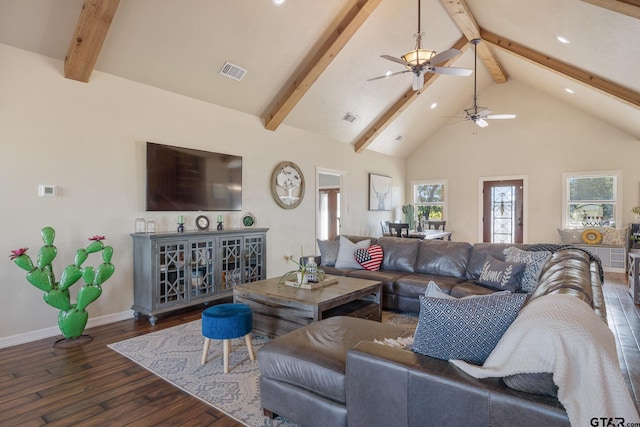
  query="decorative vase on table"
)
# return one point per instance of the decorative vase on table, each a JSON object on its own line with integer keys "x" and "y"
{"x": 312, "y": 272}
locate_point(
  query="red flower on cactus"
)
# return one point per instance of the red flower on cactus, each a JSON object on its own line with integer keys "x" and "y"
{"x": 96, "y": 237}
{"x": 17, "y": 252}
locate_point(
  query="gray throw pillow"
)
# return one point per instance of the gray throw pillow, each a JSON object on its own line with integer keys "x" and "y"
{"x": 533, "y": 260}
{"x": 346, "y": 251}
{"x": 466, "y": 329}
{"x": 328, "y": 252}
{"x": 501, "y": 275}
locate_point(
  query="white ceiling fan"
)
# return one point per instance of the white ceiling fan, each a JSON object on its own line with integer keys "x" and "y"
{"x": 420, "y": 61}
{"x": 480, "y": 115}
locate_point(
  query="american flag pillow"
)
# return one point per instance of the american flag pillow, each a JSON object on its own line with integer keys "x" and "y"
{"x": 370, "y": 258}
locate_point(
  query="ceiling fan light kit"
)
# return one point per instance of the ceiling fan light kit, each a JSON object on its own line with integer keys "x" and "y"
{"x": 420, "y": 61}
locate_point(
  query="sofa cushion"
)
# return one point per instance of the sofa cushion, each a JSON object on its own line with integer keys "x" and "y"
{"x": 369, "y": 259}
{"x": 570, "y": 236}
{"x": 347, "y": 249}
{"x": 314, "y": 357}
{"x": 501, "y": 275}
{"x": 480, "y": 251}
{"x": 533, "y": 260}
{"x": 414, "y": 285}
{"x": 443, "y": 258}
{"x": 466, "y": 329}
{"x": 328, "y": 252}
{"x": 470, "y": 288}
{"x": 399, "y": 253}
{"x": 387, "y": 278}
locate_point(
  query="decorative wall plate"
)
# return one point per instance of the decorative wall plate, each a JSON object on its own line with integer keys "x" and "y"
{"x": 202, "y": 223}
{"x": 287, "y": 185}
{"x": 248, "y": 220}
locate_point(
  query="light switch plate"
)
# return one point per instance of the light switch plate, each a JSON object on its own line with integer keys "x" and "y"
{"x": 45, "y": 190}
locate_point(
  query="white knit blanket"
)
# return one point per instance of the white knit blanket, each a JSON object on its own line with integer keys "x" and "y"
{"x": 563, "y": 335}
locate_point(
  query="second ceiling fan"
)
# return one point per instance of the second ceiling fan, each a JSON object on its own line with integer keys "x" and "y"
{"x": 420, "y": 61}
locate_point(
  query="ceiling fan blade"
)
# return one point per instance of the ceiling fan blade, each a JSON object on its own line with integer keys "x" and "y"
{"x": 501, "y": 116}
{"x": 482, "y": 123}
{"x": 451, "y": 71}
{"x": 388, "y": 75}
{"x": 394, "y": 59}
{"x": 418, "y": 80}
{"x": 443, "y": 56}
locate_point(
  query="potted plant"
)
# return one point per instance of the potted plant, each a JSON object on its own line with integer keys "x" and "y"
{"x": 636, "y": 211}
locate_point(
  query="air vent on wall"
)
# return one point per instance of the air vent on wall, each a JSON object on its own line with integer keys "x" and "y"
{"x": 233, "y": 71}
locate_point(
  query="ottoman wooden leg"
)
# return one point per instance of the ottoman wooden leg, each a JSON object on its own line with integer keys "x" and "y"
{"x": 226, "y": 349}
{"x": 247, "y": 339}
{"x": 205, "y": 350}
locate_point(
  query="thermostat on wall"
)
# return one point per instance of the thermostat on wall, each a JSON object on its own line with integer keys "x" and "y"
{"x": 47, "y": 190}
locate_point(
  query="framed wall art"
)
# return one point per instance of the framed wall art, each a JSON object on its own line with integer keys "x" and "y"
{"x": 287, "y": 185}
{"x": 379, "y": 192}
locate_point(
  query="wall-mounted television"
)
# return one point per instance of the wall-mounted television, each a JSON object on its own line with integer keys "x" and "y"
{"x": 184, "y": 179}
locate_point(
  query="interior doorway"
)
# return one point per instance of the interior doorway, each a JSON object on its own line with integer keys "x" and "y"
{"x": 330, "y": 203}
{"x": 503, "y": 207}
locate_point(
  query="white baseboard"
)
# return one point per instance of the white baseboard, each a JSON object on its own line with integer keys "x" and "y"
{"x": 39, "y": 334}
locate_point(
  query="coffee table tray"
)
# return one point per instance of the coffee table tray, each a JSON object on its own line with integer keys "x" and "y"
{"x": 325, "y": 282}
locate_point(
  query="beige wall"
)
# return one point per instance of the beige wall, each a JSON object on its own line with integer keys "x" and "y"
{"x": 546, "y": 139}
{"x": 89, "y": 140}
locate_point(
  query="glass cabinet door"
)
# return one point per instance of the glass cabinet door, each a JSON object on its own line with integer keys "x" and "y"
{"x": 254, "y": 258}
{"x": 231, "y": 261}
{"x": 171, "y": 287}
{"x": 202, "y": 258}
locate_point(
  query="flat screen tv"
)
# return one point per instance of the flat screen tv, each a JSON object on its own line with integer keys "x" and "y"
{"x": 184, "y": 179}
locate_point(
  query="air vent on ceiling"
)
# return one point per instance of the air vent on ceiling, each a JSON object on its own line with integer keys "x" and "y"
{"x": 349, "y": 117}
{"x": 233, "y": 71}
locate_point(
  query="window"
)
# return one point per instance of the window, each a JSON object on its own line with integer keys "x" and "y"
{"x": 430, "y": 199}
{"x": 591, "y": 199}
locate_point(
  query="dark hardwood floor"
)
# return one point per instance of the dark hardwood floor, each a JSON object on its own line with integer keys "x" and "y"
{"x": 91, "y": 385}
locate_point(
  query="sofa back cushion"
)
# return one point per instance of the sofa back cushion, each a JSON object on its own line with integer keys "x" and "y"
{"x": 400, "y": 253}
{"x": 479, "y": 254}
{"x": 443, "y": 258}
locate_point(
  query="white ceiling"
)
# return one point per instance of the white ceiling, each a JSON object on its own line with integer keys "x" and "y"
{"x": 181, "y": 46}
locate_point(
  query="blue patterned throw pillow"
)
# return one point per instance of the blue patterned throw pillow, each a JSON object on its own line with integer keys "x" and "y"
{"x": 533, "y": 260}
{"x": 501, "y": 275}
{"x": 466, "y": 329}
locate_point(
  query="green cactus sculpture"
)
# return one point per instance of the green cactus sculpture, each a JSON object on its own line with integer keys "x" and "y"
{"x": 408, "y": 211}
{"x": 72, "y": 318}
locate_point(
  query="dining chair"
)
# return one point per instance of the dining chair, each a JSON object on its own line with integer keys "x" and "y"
{"x": 395, "y": 229}
{"x": 385, "y": 227}
{"x": 436, "y": 224}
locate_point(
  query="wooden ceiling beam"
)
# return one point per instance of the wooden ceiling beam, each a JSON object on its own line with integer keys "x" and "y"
{"x": 466, "y": 22}
{"x": 627, "y": 7}
{"x": 91, "y": 30}
{"x": 337, "y": 39}
{"x": 607, "y": 87}
{"x": 403, "y": 103}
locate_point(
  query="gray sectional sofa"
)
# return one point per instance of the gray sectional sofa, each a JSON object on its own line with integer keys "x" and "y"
{"x": 333, "y": 373}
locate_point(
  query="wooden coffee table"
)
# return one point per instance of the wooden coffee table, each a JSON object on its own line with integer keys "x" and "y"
{"x": 280, "y": 309}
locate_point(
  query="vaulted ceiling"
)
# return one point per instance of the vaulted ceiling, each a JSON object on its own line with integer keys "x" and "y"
{"x": 308, "y": 62}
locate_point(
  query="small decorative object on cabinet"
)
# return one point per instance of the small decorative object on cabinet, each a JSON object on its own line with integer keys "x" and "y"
{"x": 248, "y": 220}
{"x": 176, "y": 270}
{"x": 202, "y": 223}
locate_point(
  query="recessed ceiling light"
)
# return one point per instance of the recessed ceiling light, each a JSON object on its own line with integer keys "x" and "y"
{"x": 278, "y": 2}
{"x": 568, "y": 90}
{"x": 563, "y": 39}
{"x": 434, "y": 105}
{"x": 399, "y": 138}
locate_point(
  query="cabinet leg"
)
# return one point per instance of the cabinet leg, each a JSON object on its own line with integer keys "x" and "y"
{"x": 153, "y": 320}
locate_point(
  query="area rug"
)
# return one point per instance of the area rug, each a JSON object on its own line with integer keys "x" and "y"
{"x": 174, "y": 355}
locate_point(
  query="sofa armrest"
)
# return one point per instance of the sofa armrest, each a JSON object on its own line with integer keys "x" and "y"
{"x": 388, "y": 386}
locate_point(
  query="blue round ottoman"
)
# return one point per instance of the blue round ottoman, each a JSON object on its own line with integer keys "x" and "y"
{"x": 224, "y": 322}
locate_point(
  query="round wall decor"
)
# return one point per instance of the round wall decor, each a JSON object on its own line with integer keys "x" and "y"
{"x": 287, "y": 185}
{"x": 591, "y": 236}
